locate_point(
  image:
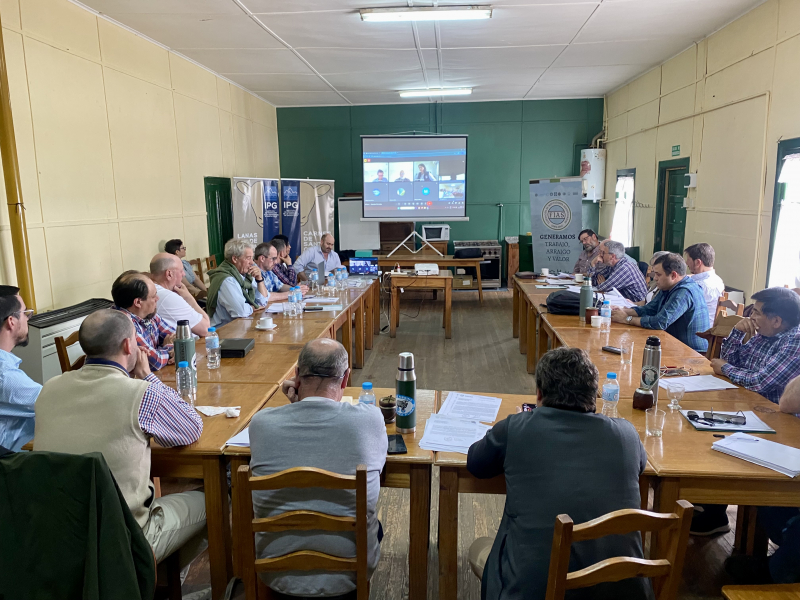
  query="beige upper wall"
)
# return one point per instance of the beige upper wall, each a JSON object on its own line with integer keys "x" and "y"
{"x": 727, "y": 102}
{"x": 115, "y": 135}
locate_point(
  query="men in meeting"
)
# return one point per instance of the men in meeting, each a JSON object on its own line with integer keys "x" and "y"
{"x": 193, "y": 283}
{"x": 266, "y": 257}
{"x": 18, "y": 392}
{"x": 402, "y": 177}
{"x": 286, "y": 260}
{"x": 135, "y": 295}
{"x": 380, "y": 177}
{"x": 618, "y": 270}
{"x": 423, "y": 174}
{"x": 679, "y": 309}
{"x": 318, "y": 430}
{"x": 315, "y": 255}
{"x": 175, "y": 303}
{"x": 590, "y": 253}
{"x": 236, "y": 286}
{"x": 650, "y": 280}
{"x": 700, "y": 261}
{"x": 565, "y": 428}
{"x": 114, "y": 405}
{"x": 283, "y": 270}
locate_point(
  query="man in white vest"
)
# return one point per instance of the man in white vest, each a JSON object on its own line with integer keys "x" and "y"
{"x": 114, "y": 405}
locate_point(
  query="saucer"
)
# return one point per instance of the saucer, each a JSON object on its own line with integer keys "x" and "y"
{"x": 274, "y": 326}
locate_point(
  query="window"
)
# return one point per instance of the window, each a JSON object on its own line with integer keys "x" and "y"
{"x": 622, "y": 225}
{"x": 784, "y": 264}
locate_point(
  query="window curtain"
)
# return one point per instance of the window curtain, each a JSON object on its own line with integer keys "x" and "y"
{"x": 622, "y": 225}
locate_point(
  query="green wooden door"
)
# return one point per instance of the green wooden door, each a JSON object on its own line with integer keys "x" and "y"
{"x": 670, "y": 213}
{"x": 219, "y": 214}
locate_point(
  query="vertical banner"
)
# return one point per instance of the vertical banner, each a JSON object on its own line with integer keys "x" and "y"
{"x": 316, "y": 211}
{"x": 290, "y": 214}
{"x": 248, "y": 209}
{"x": 556, "y": 206}
{"x": 272, "y": 222}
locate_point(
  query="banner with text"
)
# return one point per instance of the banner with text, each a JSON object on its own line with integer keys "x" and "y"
{"x": 272, "y": 219}
{"x": 556, "y": 222}
{"x": 316, "y": 211}
{"x": 290, "y": 214}
{"x": 248, "y": 209}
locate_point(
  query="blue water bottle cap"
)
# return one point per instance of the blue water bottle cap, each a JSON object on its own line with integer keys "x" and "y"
{"x": 611, "y": 375}
{"x": 366, "y": 385}
{"x": 606, "y": 302}
{"x": 183, "y": 364}
{"x": 212, "y": 329}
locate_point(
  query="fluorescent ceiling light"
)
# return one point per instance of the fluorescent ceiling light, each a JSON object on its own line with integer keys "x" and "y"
{"x": 427, "y": 13}
{"x": 436, "y": 92}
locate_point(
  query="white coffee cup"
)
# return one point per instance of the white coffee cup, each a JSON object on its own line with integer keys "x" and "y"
{"x": 597, "y": 321}
{"x": 265, "y": 322}
{"x": 578, "y": 277}
{"x": 545, "y": 272}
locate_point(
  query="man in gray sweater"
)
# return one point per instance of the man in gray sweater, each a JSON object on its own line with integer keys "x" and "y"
{"x": 318, "y": 430}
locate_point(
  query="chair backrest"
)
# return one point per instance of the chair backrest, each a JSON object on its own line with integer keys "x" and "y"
{"x": 723, "y": 304}
{"x": 246, "y": 526}
{"x": 62, "y": 348}
{"x": 643, "y": 266}
{"x": 197, "y": 267}
{"x": 211, "y": 262}
{"x": 665, "y": 572}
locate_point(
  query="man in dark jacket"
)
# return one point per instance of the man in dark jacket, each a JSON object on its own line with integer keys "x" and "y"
{"x": 562, "y": 458}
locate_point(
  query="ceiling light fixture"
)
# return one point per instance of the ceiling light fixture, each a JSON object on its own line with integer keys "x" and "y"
{"x": 436, "y": 92}
{"x": 427, "y": 13}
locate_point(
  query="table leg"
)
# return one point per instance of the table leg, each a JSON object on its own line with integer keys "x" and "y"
{"x": 215, "y": 481}
{"x": 347, "y": 341}
{"x": 394, "y": 317}
{"x": 480, "y": 285}
{"x": 236, "y": 462}
{"x": 667, "y": 492}
{"x": 358, "y": 363}
{"x": 448, "y": 533}
{"x": 376, "y": 307}
{"x": 419, "y": 532}
{"x": 541, "y": 343}
{"x": 369, "y": 315}
{"x": 523, "y": 325}
{"x": 514, "y": 309}
{"x": 448, "y": 305}
{"x": 531, "y": 358}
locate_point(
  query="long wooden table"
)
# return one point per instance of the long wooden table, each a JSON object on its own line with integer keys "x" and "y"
{"x": 410, "y": 471}
{"x": 443, "y": 281}
{"x": 443, "y": 262}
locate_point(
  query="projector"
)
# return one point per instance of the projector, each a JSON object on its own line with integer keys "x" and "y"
{"x": 426, "y": 268}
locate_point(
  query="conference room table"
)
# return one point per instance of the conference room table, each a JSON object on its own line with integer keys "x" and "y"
{"x": 443, "y": 262}
{"x": 442, "y": 281}
{"x": 411, "y": 471}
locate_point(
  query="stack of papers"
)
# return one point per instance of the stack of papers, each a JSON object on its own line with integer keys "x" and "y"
{"x": 551, "y": 287}
{"x": 616, "y": 299}
{"x": 313, "y": 300}
{"x": 241, "y": 439}
{"x": 449, "y": 434}
{"x": 557, "y": 281}
{"x": 211, "y": 411}
{"x": 753, "y": 424}
{"x": 275, "y": 307}
{"x": 697, "y": 383}
{"x": 471, "y": 407}
{"x": 772, "y": 455}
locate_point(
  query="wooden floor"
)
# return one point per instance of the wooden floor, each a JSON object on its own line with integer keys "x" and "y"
{"x": 481, "y": 357}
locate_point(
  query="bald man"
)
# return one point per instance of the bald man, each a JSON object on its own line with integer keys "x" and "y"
{"x": 315, "y": 255}
{"x": 175, "y": 302}
{"x": 114, "y": 405}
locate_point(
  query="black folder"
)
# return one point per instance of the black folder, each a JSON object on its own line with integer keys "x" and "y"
{"x": 236, "y": 347}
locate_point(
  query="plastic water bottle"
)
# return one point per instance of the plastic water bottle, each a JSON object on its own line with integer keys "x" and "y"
{"x": 185, "y": 383}
{"x": 314, "y": 279}
{"x": 292, "y": 303}
{"x": 298, "y": 302}
{"x": 212, "y": 348}
{"x": 366, "y": 397}
{"x": 332, "y": 283}
{"x": 605, "y": 313}
{"x": 610, "y": 395}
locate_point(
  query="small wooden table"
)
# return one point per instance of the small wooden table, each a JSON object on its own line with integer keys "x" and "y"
{"x": 442, "y": 281}
{"x": 443, "y": 262}
{"x": 789, "y": 591}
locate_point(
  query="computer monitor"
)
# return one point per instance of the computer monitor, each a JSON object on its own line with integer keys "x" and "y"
{"x": 364, "y": 266}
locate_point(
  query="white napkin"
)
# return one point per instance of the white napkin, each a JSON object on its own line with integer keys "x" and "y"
{"x": 210, "y": 411}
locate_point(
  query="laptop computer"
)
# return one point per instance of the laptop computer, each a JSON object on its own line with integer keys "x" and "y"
{"x": 364, "y": 265}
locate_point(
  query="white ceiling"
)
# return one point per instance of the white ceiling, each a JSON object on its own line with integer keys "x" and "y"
{"x": 319, "y": 52}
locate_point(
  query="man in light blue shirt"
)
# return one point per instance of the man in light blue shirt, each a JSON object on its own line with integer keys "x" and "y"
{"x": 18, "y": 392}
{"x": 323, "y": 253}
{"x": 266, "y": 257}
{"x": 236, "y": 286}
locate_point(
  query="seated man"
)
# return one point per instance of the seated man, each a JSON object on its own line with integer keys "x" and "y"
{"x": 236, "y": 286}
{"x": 283, "y": 266}
{"x": 618, "y": 270}
{"x": 590, "y": 254}
{"x": 318, "y": 430}
{"x": 566, "y": 429}
{"x": 649, "y": 279}
{"x": 175, "y": 303}
{"x": 790, "y": 399}
{"x": 193, "y": 283}
{"x": 679, "y": 309}
{"x": 114, "y": 405}
{"x": 323, "y": 253}
{"x": 18, "y": 392}
{"x": 135, "y": 295}
{"x": 266, "y": 257}
{"x": 700, "y": 261}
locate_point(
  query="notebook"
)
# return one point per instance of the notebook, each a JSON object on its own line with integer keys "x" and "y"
{"x": 772, "y": 455}
{"x": 236, "y": 347}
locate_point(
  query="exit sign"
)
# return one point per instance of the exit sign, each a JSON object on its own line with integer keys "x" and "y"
{"x": 676, "y": 150}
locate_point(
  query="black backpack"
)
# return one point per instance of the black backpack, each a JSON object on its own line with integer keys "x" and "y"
{"x": 564, "y": 302}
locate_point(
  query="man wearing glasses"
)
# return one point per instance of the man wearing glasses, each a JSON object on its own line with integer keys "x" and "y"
{"x": 18, "y": 392}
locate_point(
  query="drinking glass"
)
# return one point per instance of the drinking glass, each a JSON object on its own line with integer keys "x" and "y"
{"x": 626, "y": 352}
{"x": 654, "y": 421}
{"x": 675, "y": 393}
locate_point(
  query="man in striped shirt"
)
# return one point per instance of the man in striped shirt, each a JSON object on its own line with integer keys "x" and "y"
{"x": 115, "y": 405}
{"x": 618, "y": 270}
{"x": 283, "y": 267}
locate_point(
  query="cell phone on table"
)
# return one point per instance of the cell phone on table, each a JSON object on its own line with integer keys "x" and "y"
{"x": 612, "y": 349}
{"x": 397, "y": 445}
{"x": 312, "y": 308}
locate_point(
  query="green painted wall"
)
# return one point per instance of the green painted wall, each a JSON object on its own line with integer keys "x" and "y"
{"x": 509, "y": 144}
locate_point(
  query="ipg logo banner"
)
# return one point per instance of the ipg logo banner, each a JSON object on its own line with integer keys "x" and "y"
{"x": 291, "y": 199}
{"x": 271, "y": 200}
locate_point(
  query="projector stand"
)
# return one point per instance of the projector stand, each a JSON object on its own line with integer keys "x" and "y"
{"x": 411, "y": 237}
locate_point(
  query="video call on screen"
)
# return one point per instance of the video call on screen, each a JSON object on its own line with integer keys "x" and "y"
{"x": 415, "y": 178}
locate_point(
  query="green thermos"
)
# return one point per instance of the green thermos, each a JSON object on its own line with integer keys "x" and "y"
{"x": 184, "y": 348}
{"x": 406, "y": 395}
{"x": 586, "y": 298}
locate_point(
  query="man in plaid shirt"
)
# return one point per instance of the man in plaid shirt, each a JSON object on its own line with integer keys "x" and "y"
{"x": 618, "y": 270}
{"x": 135, "y": 294}
{"x": 283, "y": 267}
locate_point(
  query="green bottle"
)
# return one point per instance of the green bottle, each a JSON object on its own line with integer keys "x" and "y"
{"x": 184, "y": 348}
{"x": 406, "y": 395}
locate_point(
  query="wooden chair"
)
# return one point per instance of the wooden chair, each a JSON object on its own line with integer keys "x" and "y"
{"x": 789, "y": 591}
{"x": 723, "y": 304}
{"x": 197, "y": 266}
{"x": 246, "y": 526}
{"x": 211, "y": 262}
{"x": 62, "y": 346}
{"x": 715, "y": 341}
{"x": 665, "y": 572}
